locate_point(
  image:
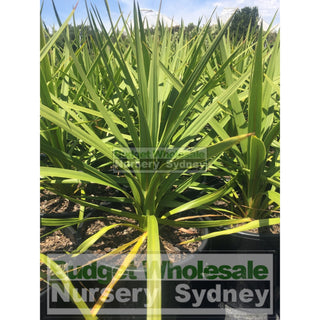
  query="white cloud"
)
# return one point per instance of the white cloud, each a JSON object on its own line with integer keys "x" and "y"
{"x": 267, "y": 8}
{"x": 192, "y": 10}
{"x": 189, "y": 12}
{"x": 226, "y": 14}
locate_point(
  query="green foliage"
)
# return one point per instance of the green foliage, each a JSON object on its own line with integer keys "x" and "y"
{"x": 106, "y": 95}
{"x": 255, "y": 163}
{"x": 245, "y": 20}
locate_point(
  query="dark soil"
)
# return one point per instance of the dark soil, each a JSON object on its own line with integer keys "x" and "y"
{"x": 51, "y": 203}
{"x": 59, "y": 241}
{"x": 169, "y": 237}
{"x": 275, "y": 228}
{"x": 62, "y": 241}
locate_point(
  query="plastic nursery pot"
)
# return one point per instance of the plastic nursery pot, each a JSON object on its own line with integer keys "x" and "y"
{"x": 238, "y": 314}
{"x": 249, "y": 242}
{"x": 129, "y": 285}
{"x": 245, "y": 240}
{"x": 167, "y": 296}
{"x": 71, "y": 234}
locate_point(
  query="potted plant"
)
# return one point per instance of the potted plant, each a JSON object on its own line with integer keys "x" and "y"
{"x": 143, "y": 112}
{"x": 255, "y": 162}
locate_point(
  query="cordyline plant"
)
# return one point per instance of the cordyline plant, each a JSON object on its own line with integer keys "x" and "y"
{"x": 255, "y": 161}
{"x": 150, "y": 99}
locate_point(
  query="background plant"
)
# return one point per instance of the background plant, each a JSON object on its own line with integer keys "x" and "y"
{"x": 245, "y": 21}
{"x": 256, "y": 161}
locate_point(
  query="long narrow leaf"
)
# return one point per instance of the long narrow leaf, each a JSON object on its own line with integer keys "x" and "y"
{"x": 55, "y": 37}
{"x": 118, "y": 275}
{"x": 245, "y": 227}
{"x": 153, "y": 269}
{"x": 94, "y": 238}
{"x": 74, "y": 294}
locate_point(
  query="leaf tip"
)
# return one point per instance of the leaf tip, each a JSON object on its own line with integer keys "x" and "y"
{"x": 75, "y": 7}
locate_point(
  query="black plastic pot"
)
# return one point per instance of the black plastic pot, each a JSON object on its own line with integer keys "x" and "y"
{"x": 248, "y": 242}
{"x": 71, "y": 233}
{"x": 166, "y": 293}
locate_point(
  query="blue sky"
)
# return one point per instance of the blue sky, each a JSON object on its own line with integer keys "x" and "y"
{"x": 189, "y": 10}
